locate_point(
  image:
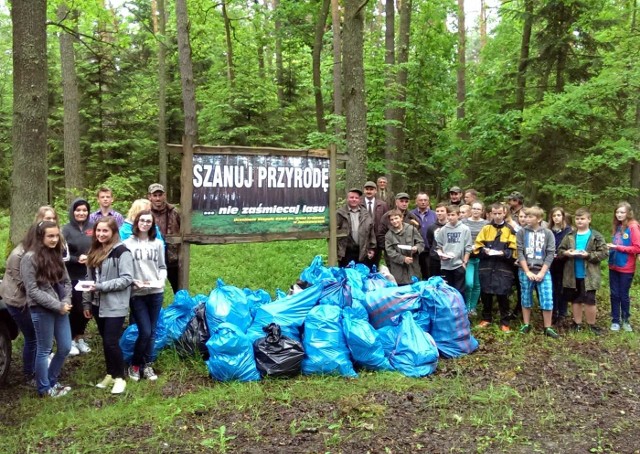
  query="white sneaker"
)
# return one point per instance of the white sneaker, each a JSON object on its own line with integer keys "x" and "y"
{"x": 106, "y": 382}
{"x": 119, "y": 385}
{"x": 74, "y": 349}
{"x": 615, "y": 327}
{"x": 149, "y": 373}
{"x": 626, "y": 326}
{"x": 57, "y": 390}
{"x": 83, "y": 347}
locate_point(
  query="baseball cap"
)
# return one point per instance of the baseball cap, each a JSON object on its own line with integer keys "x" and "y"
{"x": 515, "y": 195}
{"x": 155, "y": 187}
{"x": 402, "y": 195}
{"x": 370, "y": 184}
{"x": 359, "y": 191}
{"x": 455, "y": 189}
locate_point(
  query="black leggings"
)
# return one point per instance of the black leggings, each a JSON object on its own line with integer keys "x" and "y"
{"x": 77, "y": 320}
{"x": 110, "y": 329}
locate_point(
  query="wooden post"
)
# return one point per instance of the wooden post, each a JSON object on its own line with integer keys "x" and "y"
{"x": 333, "y": 239}
{"x": 186, "y": 193}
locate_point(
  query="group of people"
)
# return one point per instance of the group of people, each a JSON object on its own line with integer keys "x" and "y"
{"x": 484, "y": 254}
{"x": 99, "y": 265}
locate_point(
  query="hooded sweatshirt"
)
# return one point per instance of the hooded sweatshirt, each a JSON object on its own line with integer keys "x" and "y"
{"x": 535, "y": 247}
{"x": 78, "y": 240}
{"x": 454, "y": 241}
{"x": 623, "y": 258}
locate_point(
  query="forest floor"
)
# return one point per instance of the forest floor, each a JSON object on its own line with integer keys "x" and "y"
{"x": 517, "y": 393}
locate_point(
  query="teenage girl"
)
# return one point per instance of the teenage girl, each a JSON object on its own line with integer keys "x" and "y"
{"x": 110, "y": 267}
{"x": 149, "y": 275}
{"x": 622, "y": 264}
{"x": 472, "y": 278}
{"x": 48, "y": 292}
{"x": 560, "y": 226}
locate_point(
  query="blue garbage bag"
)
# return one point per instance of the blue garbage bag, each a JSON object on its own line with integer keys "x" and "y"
{"x": 449, "y": 323}
{"x": 411, "y": 351}
{"x": 178, "y": 315}
{"x": 362, "y": 339}
{"x": 337, "y": 293}
{"x": 130, "y": 336}
{"x": 255, "y": 299}
{"x": 231, "y": 354}
{"x": 325, "y": 347}
{"x": 385, "y": 303}
{"x": 228, "y": 304}
{"x": 376, "y": 280}
{"x": 315, "y": 272}
{"x": 289, "y": 312}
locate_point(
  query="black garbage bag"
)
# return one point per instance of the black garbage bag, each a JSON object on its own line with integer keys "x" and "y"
{"x": 277, "y": 355}
{"x": 195, "y": 336}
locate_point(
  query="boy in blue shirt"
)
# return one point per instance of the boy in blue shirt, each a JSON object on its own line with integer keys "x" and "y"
{"x": 583, "y": 250}
{"x": 536, "y": 248}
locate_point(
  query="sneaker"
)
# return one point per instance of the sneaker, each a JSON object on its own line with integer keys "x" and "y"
{"x": 615, "y": 327}
{"x": 106, "y": 382}
{"x": 595, "y": 330}
{"x": 83, "y": 347}
{"x": 149, "y": 373}
{"x": 576, "y": 327}
{"x": 550, "y": 332}
{"x": 56, "y": 391}
{"x": 134, "y": 373}
{"x": 119, "y": 385}
{"x": 74, "y": 349}
{"x": 524, "y": 329}
{"x": 626, "y": 326}
{"x": 484, "y": 324}
{"x": 60, "y": 386}
{"x": 505, "y": 329}
{"x": 473, "y": 313}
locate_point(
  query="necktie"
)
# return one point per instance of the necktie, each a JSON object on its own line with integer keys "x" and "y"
{"x": 370, "y": 209}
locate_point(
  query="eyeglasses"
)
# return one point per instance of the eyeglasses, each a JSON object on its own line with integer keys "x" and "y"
{"x": 145, "y": 221}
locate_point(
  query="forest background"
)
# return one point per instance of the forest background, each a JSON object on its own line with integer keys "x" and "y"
{"x": 537, "y": 96}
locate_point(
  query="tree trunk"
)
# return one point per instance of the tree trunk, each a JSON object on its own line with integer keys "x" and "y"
{"x": 337, "y": 61}
{"x": 29, "y": 133}
{"x": 390, "y": 144}
{"x": 279, "y": 66}
{"x": 317, "y": 76}
{"x": 483, "y": 24}
{"x": 259, "y": 41}
{"x": 404, "y": 35}
{"x": 461, "y": 88}
{"x": 635, "y": 163}
{"x": 354, "y": 96}
{"x": 163, "y": 157}
{"x": 521, "y": 82}
{"x": 186, "y": 72}
{"x": 227, "y": 31}
{"x": 73, "y": 171}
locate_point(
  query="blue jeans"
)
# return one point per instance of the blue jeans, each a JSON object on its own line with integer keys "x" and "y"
{"x": 620, "y": 284}
{"x": 472, "y": 283}
{"x": 146, "y": 310}
{"x": 49, "y": 325}
{"x": 22, "y": 317}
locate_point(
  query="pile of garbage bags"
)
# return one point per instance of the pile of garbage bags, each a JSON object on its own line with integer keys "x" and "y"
{"x": 333, "y": 321}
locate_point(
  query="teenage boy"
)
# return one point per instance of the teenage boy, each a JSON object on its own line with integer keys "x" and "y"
{"x": 105, "y": 200}
{"x": 454, "y": 246}
{"x": 403, "y": 244}
{"x": 356, "y": 237}
{"x": 426, "y": 216}
{"x": 583, "y": 249}
{"x": 536, "y": 248}
{"x": 432, "y": 230}
{"x": 496, "y": 245}
{"x": 377, "y": 209}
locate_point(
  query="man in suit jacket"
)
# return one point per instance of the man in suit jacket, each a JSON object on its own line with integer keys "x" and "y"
{"x": 376, "y": 208}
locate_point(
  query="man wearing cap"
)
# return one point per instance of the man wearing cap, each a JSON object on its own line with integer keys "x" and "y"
{"x": 455, "y": 196}
{"x": 376, "y": 208}
{"x": 384, "y": 193}
{"x": 426, "y": 217}
{"x": 402, "y": 205}
{"x": 516, "y": 203}
{"x": 356, "y": 235}
{"x": 167, "y": 219}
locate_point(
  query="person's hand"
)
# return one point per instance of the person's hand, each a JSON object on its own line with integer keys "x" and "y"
{"x": 92, "y": 288}
{"x": 408, "y": 260}
{"x": 66, "y": 308}
{"x": 87, "y": 313}
{"x": 612, "y": 246}
{"x": 82, "y": 258}
{"x": 414, "y": 249}
{"x": 539, "y": 276}
{"x": 531, "y": 276}
{"x": 138, "y": 283}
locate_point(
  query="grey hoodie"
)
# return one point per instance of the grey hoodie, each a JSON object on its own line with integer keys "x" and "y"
{"x": 454, "y": 241}
{"x": 535, "y": 247}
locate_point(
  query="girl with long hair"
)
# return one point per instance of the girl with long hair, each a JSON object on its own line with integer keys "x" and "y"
{"x": 149, "y": 275}
{"x": 560, "y": 226}
{"x": 623, "y": 250}
{"x": 110, "y": 267}
{"x": 48, "y": 293}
